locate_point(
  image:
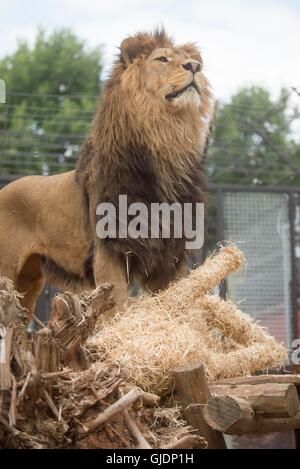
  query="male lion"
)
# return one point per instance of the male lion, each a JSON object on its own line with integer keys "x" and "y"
{"x": 146, "y": 141}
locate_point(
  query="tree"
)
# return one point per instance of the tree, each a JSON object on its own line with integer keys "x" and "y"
{"x": 51, "y": 98}
{"x": 253, "y": 143}
{"x": 253, "y": 140}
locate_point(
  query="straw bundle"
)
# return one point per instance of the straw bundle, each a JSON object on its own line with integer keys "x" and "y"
{"x": 154, "y": 335}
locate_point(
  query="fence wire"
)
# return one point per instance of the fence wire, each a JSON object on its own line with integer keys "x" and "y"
{"x": 265, "y": 228}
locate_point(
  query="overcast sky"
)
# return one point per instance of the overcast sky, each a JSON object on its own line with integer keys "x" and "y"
{"x": 243, "y": 42}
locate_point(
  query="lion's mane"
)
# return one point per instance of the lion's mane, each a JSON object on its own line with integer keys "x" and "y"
{"x": 136, "y": 146}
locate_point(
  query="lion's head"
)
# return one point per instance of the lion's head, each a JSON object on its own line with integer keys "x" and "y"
{"x": 172, "y": 75}
{"x": 156, "y": 102}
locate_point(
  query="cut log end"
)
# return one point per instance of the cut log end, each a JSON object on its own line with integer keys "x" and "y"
{"x": 221, "y": 413}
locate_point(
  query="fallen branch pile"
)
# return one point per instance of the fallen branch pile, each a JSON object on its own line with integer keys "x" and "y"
{"x": 53, "y": 396}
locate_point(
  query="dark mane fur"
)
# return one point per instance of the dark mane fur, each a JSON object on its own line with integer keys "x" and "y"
{"x": 136, "y": 147}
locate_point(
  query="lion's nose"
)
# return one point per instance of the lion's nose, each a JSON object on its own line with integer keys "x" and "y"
{"x": 193, "y": 66}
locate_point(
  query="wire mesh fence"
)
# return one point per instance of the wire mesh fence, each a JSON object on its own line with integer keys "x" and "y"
{"x": 42, "y": 133}
{"x": 266, "y": 225}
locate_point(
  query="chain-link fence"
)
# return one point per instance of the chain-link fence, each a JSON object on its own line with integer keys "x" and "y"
{"x": 265, "y": 223}
{"x": 42, "y": 133}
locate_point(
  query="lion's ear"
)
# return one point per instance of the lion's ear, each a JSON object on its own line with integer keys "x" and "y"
{"x": 130, "y": 49}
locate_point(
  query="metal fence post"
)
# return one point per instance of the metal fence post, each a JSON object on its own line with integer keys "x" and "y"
{"x": 292, "y": 216}
{"x": 220, "y": 233}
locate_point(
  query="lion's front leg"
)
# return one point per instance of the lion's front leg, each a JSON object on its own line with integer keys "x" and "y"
{"x": 109, "y": 269}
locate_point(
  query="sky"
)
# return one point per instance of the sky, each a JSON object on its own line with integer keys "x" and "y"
{"x": 243, "y": 42}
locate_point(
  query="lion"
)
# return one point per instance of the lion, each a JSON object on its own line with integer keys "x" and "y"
{"x": 146, "y": 141}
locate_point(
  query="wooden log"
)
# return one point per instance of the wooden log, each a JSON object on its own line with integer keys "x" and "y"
{"x": 192, "y": 392}
{"x": 132, "y": 426}
{"x": 119, "y": 406}
{"x": 147, "y": 399}
{"x": 187, "y": 442}
{"x": 261, "y": 379}
{"x": 269, "y": 399}
{"x": 135, "y": 431}
{"x": 222, "y": 412}
{"x": 259, "y": 424}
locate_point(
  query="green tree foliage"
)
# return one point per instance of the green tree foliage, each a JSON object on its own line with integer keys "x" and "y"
{"x": 254, "y": 140}
{"x": 51, "y": 97}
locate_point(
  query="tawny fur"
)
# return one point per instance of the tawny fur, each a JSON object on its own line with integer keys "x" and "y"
{"x": 41, "y": 217}
{"x": 141, "y": 143}
{"x": 147, "y": 147}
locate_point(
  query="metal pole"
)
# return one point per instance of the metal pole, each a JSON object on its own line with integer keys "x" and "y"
{"x": 292, "y": 216}
{"x": 220, "y": 232}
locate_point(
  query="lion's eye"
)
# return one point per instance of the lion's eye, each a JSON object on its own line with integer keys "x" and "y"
{"x": 162, "y": 59}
